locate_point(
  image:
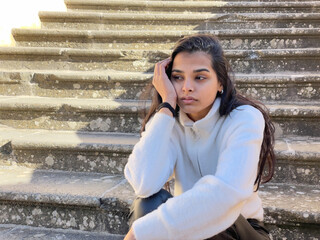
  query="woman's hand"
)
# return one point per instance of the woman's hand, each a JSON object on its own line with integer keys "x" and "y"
{"x": 130, "y": 235}
{"x": 162, "y": 83}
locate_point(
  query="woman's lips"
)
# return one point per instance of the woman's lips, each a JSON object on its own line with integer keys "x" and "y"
{"x": 188, "y": 100}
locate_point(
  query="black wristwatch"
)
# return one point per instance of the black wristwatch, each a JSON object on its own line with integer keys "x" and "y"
{"x": 167, "y": 105}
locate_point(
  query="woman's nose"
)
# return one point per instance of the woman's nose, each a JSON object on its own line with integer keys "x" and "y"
{"x": 188, "y": 86}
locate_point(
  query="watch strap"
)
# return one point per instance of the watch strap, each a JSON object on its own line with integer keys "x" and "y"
{"x": 167, "y": 105}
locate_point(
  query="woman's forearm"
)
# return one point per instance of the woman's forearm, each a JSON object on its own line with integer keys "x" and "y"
{"x": 153, "y": 157}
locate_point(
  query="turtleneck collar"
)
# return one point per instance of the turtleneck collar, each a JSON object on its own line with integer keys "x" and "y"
{"x": 205, "y": 124}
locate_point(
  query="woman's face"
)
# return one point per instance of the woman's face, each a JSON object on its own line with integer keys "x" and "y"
{"x": 195, "y": 82}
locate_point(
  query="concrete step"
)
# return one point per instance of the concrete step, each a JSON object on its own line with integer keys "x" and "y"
{"x": 245, "y": 39}
{"x": 244, "y": 61}
{"x": 284, "y": 87}
{"x": 105, "y": 115}
{"x": 239, "y": 0}
{"x": 279, "y": 87}
{"x": 298, "y": 158}
{"x": 185, "y": 21}
{"x": 291, "y": 120}
{"x": 78, "y": 84}
{"x": 66, "y": 150}
{"x": 99, "y": 203}
{"x": 291, "y": 211}
{"x": 297, "y": 161}
{"x": 192, "y": 6}
{"x": 19, "y": 232}
{"x": 58, "y": 58}
{"x": 66, "y": 200}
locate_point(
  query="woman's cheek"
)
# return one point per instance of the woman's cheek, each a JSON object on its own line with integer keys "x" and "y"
{"x": 175, "y": 85}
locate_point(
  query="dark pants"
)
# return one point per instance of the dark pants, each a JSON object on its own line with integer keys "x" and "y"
{"x": 244, "y": 229}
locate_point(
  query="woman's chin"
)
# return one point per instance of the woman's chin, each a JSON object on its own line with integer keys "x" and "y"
{"x": 190, "y": 112}
{"x": 188, "y": 109}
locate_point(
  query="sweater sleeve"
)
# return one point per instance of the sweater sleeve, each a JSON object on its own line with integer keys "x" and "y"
{"x": 215, "y": 202}
{"x": 152, "y": 160}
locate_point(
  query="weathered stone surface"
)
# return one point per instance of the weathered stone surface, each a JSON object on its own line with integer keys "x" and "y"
{"x": 84, "y": 161}
{"x": 78, "y": 59}
{"x": 244, "y": 61}
{"x": 96, "y": 84}
{"x": 297, "y": 171}
{"x": 99, "y": 115}
{"x": 191, "y": 6}
{"x": 281, "y": 232}
{"x": 300, "y": 120}
{"x": 60, "y": 200}
{"x": 290, "y": 87}
{"x": 69, "y": 151}
{"x": 270, "y": 61}
{"x": 245, "y": 39}
{"x": 85, "y": 121}
{"x": 297, "y": 162}
{"x": 301, "y": 201}
{"x": 17, "y": 232}
{"x": 69, "y": 188}
{"x": 15, "y": 83}
{"x": 108, "y": 84}
{"x": 198, "y": 21}
{"x": 297, "y": 205}
{"x": 297, "y": 159}
{"x": 291, "y": 211}
{"x": 280, "y": 87}
{"x": 241, "y": 0}
{"x": 102, "y": 115}
{"x": 65, "y": 217}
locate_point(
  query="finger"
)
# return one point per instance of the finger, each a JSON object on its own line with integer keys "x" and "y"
{"x": 156, "y": 73}
{"x": 156, "y": 68}
{"x": 159, "y": 69}
{"x": 165, "y": 64}
{"x": 165, "y": 61}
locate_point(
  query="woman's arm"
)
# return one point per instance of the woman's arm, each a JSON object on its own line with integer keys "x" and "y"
{"x": 152, "y": 160}
{"x": 215, "y": 202}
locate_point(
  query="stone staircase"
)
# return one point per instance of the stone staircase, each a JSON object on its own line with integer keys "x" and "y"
{"x": 71, "y": 94}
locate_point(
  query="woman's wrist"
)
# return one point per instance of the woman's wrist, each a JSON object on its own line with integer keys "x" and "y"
{"x": 168, "y": 107}
{"x": 172, "y": 102}
{"x": 166, "y": 111}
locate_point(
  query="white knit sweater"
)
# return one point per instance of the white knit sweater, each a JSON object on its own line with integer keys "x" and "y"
{"x": 214, "y": 162}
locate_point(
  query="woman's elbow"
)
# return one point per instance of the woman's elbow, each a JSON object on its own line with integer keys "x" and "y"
{"x": 141, "y": 187}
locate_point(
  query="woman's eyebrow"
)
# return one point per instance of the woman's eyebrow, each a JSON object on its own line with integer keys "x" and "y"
{"x": 197, "y": 70}
{"x": 201, "y": 70}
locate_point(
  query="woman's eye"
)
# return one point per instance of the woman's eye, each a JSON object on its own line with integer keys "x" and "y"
{"x": 177, "y": 78}
{"x": 200, "y": 77}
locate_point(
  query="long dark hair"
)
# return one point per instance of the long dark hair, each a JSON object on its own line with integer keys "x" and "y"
{"x": 230, "y": 99}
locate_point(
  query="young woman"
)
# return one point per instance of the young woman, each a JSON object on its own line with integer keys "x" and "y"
{"x": 212, "y": 140}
